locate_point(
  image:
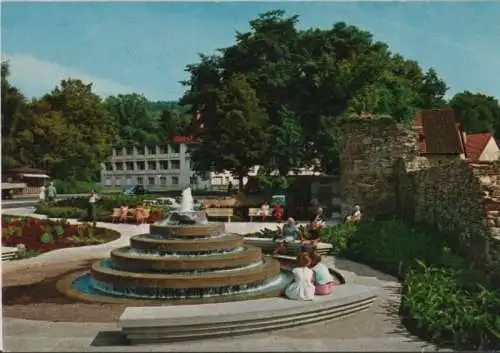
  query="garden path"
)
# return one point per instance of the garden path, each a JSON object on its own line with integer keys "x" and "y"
{"x": 377, "y": 329}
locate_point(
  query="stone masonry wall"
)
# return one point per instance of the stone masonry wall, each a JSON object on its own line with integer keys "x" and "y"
{"x": 459, "y": 199}
{"x": 382, "y": 172}
{"x": 370, "y": 150}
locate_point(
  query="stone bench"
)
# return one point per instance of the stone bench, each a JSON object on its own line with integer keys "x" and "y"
{"x": 220, "y": 212}
{"x": 163, "y": 324}
{"x": 9, "y": 253}
{"x": 267, "y": 245}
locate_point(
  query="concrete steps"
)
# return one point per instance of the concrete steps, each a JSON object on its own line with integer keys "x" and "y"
{"x": 147, "y": 325}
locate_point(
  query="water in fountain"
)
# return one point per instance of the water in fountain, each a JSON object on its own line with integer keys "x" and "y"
{"x": 187, "y": 202}
{"x": 183, "y": 257}
{"x": 185, "y": 215}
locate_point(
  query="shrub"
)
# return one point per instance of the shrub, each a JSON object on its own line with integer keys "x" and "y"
{"x": 59, "y": 212}
{"x": 106, "y": 202}
{"x": 443, "y": 305}
{"x": 445, "y": 299}
{"x": 338, "y": 236}
{"x": 76, "y": 187}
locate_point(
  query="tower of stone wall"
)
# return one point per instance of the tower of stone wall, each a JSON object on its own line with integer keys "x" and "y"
{"x": 370, "y": 151}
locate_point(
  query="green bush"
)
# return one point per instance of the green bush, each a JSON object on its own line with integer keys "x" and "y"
{"x": 106, "y": 202}
{"x": 339, "y": 236}
{"x": 52, "y": 211}
{"x": 75, "y": 187}
{"x": 443, "y": 305}
{"x": 445, "y": 299}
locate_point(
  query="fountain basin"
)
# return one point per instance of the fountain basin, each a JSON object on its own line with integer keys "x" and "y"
{"x": 138, "y": 262}
{"x": 145, "y": 242}
{"x": 192, "y": 230}
{"x": 81, "y": 286}
{"x": 101, "y": 272}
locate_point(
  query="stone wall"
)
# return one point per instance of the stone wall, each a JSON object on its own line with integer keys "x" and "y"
{"x": 370, "y": 150}
{"x": 382, "y": 172}
{"x": 460, "y": 199}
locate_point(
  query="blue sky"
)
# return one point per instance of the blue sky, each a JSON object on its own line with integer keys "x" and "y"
{"x": 144, "y": 47}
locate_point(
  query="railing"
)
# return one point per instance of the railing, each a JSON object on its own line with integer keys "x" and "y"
{"x": 29, "y": 190}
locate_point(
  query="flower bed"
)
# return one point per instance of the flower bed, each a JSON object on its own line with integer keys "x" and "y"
{"x": 35, "y": 236}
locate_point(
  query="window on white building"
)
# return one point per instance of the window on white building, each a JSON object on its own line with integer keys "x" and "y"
{"x": 141, "y": 165}
{"x": 130, "y": 151}
{"x": 175, "y": 164}
{"x": 175, "y": 180}
{"x": 118, "y": 151}
{"x": 129, "y": 181}
{"x": 108, "y": 166}
{"x": 151, "y": 165}
{"x": 140, "y": 150}
{"x": 118, "y": 181}
{"x": 151, "y": 180}
{"x": 140, "y": 180}
{"x": 163, "y": 149}
{"x": 163, "y": 165}
{"x": 163, "y": 180}
{"x": 175, "y": 148}
{"x": 119, "y": 165}
{"x": 108, "y": 181}
{"x": 129, "y": 165}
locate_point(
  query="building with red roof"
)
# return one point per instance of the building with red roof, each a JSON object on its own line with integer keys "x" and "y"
{"x": 441, "y": 137}
{"x": 481, "y": 147}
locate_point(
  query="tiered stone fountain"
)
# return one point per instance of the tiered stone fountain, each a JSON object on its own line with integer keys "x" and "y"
{"x": 183, "y": 258}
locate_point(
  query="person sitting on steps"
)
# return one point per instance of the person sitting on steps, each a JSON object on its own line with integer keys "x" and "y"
{"x": 323, "y": 279}
{"x": 302, "y": 287}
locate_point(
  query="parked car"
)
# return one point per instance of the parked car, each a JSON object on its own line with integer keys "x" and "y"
{"x": 136, "y": 189}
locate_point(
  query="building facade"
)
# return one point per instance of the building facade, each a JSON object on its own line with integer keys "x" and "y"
{"x": 160, "y": 167}
{"x": 166, "y": 167}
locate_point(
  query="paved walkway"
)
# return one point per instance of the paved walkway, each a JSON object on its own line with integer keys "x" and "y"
{"x": 377, "y": 329}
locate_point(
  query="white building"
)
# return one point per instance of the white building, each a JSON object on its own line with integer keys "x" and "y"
{"x": 160, "y": 167}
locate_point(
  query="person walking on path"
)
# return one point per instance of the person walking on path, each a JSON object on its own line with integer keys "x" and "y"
{"x": 41, "y": 196}
{"x": 51, "y": 192}
{"x": 92, "y": 210}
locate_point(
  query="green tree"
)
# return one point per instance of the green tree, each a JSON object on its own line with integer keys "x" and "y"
{"x": 477, "y": 112}
{"x": 318, "y": 74}
{"x": 17, "y": 137}
{"x": 137, "y": 121}
{"x": 432, "y": 91}
{"x": 73, "y": 130}
{"x": 234, "y": 137}
{"x": 174, "y": 121}
{"x": 287, "y": 150}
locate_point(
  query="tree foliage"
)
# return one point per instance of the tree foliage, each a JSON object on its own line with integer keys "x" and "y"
{"x": 320, "y": 76}
{"x": 233, "y": 138}
{"x": 136, "y": 121}
{"x": 477, "y": 112}
{"x": 69, "y": 131}
{"x": 73, "y": 130}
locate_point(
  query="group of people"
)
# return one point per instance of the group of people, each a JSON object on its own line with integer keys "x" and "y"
{"x": 290, "y": 232}
{"x": 311, "y": 277}
{"x": 278, "y": 211}
{"x": 48, "y": 193}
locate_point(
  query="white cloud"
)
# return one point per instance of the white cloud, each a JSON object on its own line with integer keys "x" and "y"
{"x": 35, "y": 77}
